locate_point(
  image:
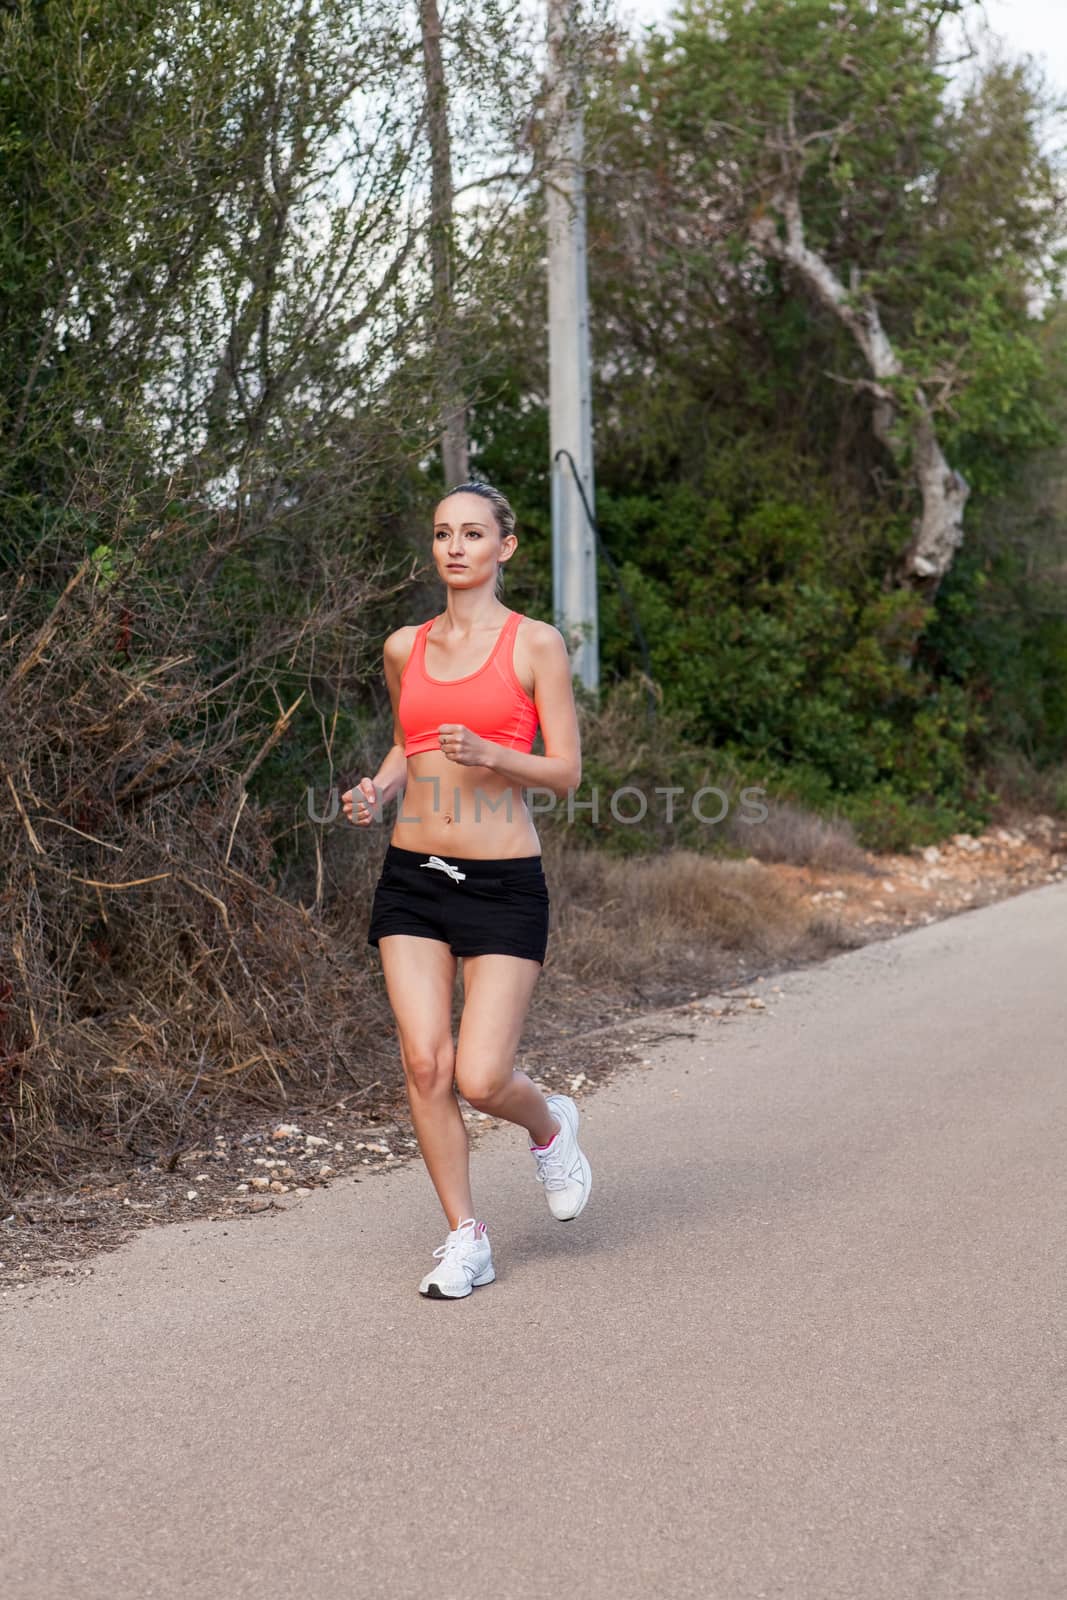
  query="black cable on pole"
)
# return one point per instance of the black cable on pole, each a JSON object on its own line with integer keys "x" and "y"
{"x": 624, "y": 592}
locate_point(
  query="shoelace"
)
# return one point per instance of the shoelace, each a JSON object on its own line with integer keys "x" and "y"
{"x": 457, "y": 1241}
{"x": 550, "y": 1170}
{"x": 445, "y": 866}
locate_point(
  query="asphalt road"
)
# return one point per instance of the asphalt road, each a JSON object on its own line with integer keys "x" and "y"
{"x": 806, "y": 1340}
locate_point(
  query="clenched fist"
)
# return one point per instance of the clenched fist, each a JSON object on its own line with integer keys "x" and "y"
{"x": 461, "y": 745}
{"x": 357, "y": 803}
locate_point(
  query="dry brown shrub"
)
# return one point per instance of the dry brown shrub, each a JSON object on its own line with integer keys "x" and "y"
{"x": 647, "y": 921}
{"x": 149, "y": 970}
{"x": 793, "y": 834}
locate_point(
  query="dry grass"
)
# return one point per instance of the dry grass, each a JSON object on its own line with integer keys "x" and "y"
{"x": 659, "y": 925}
{"x": 1026, "y": 788}
{"x": 800, "y": 837}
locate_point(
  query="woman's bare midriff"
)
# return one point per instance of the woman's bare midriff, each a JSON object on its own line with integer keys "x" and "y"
{"x": 449, "y": 809}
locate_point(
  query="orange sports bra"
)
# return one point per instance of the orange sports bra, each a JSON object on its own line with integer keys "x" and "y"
{"x": 491, "y": 702}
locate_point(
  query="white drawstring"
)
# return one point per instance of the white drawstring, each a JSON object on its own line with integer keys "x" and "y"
{"x": 445, "y": 866}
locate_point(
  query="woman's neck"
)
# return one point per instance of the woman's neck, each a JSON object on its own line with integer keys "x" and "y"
{"x": 469, "y": 612}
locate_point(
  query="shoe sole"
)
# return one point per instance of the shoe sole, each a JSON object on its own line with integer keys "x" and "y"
{"x": 587, "y": 1174}
{"x": 435, "y": 1292}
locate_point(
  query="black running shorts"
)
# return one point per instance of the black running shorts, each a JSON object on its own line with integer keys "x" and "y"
{"x": 476, "y": 906}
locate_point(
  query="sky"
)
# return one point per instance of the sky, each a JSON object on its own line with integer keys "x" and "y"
{"x": 1035, "y": 28}
{"x": 1029, "y": 27}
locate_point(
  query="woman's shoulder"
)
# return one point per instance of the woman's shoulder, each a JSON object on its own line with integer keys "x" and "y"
{"x": 540, "y": 654}
{"x": 542, "y": 639}
{"x": 399, "y": 644}
{"x": 400, "y": 641}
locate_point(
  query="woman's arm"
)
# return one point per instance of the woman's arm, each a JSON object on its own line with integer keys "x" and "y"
{"x": 560, "y": 769}
{"x": 536, "y": 772}
{"x": 392, "y": 775}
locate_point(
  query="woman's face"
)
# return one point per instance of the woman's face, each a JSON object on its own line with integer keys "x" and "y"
{"x": 466, "y": 541}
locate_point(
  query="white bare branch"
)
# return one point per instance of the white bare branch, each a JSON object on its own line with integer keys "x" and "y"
{"x": 938, "y": 530}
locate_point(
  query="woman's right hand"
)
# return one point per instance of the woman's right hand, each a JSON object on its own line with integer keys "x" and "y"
{"x": 358, "y": 802}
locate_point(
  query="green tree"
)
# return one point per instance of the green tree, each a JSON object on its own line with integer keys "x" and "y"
{"x": 813, "y": 144}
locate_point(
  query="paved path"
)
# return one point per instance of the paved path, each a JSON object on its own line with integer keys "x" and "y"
{"x": 807, "y": 1340}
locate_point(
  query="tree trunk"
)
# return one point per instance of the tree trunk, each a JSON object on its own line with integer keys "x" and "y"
{"x": 454, "y": 446}
{"x": 938, "y": 530}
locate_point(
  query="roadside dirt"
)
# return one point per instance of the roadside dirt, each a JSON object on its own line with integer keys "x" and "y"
{"x": 261, "y": 1164}
{"x": 966, "y": 871}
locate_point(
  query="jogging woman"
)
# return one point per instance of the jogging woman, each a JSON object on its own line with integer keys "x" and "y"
{"x": 462, "y": 874}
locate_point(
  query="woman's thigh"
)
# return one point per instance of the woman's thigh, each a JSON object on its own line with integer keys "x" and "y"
{"x": 420, "y": 977}
{"x": 496, "y": 997}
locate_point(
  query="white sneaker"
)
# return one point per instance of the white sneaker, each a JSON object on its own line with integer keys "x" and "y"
{"x": 466, "y": 1261}
{"x": 562, "y": 1167}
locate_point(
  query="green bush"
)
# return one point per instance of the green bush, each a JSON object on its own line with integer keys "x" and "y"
{"x": 885, "y": 819}
{"x": 771, "y": 649}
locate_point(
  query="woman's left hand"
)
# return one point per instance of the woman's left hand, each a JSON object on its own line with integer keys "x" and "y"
{"x": 460, "y": 744}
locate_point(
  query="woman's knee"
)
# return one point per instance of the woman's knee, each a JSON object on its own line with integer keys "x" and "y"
{"x": 429, "y": 1068}
{"x": 481, "y": 1087}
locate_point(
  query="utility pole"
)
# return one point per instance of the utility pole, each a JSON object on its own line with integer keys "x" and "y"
{"x": 574, "y": 586}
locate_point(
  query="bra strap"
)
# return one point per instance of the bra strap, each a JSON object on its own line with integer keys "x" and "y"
{"x": 416, "y": 659}
{"x": 420, "y": 643}
{"x": 512, "y": 623}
